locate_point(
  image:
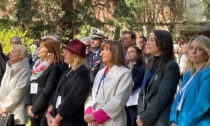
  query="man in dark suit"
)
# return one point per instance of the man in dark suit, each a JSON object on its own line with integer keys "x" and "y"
{"x": 94, "y": 61}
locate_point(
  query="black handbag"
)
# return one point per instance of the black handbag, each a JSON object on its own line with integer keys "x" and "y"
{"x": 7, "y": 121}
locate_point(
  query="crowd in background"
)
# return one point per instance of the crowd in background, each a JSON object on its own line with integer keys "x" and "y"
{"x": 95, "y": 81}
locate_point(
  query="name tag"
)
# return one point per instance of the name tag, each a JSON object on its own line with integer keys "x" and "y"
{"x": 34, "y": 88}
{"x": 58, "y": 102}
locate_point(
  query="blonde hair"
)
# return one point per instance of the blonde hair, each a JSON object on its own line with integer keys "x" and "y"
{"x": 205, "y": 44}
{"x": 77, "y": 62}
{"x": 21, "y": 49}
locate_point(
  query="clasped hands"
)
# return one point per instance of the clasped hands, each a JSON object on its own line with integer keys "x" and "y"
{"x": 30, "y": 113}
{"x": 51, "y": 120}
{"x": 90, "y": 120}
{"x": 3, "y": 115}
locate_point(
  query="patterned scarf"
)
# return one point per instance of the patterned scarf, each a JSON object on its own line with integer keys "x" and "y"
{"x": 38, "y": 68}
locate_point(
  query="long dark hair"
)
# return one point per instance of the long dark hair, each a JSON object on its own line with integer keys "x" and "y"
{"x": 164, "y": 43}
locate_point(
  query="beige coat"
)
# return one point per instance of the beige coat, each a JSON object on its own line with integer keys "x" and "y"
{"x": 113, "y": 94}
{"x": 13, "y": 90}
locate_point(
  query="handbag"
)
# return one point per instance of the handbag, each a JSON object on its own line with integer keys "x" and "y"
{"x": 7, "y": 121}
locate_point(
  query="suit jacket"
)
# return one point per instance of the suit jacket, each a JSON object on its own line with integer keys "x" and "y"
{"x": 113, "y": 94}
{"x": 47, "y": 83}
{"x": 94, "y": 65}
{"x": 154, "y": 105}
{"x": 195, "y": 109}
{"x": 73, "y": 88}
{"x": 13, "y": 90}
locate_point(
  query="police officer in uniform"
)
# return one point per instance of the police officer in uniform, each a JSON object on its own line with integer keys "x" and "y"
{"x": 94, "y": 61}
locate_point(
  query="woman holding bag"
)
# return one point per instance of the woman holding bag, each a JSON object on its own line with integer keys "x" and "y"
{"x": 14, "y": 85}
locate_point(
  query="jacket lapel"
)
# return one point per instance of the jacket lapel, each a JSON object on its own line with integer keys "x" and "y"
{"x": 192, "y": 83}
{"x": 113, "y": 72}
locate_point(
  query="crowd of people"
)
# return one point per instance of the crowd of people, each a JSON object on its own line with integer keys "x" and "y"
{"x": 96, "y": 81}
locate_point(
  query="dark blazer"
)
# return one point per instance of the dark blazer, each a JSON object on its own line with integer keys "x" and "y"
{"x": 137, "y": 75}
{"x": 3, "y": 61}
{"x": 47, "y": 83}
{"x": 73, "y": 89}
{"x": 94, "y": 65}
{"x": 154, "y": 109}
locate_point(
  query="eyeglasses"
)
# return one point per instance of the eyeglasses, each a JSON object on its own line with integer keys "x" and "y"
{"x": 88, "y": 46}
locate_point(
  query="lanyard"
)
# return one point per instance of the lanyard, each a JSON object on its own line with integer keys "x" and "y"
{"x": 149, "y": 75}
{"x": 183, "y": 89}
{"x": 102, "y": 78}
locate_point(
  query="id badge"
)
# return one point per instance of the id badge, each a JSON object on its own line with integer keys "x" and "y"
{"x": 58, "y": 102}
{"x": 179, "y": 107}
{"x": 34, "y": 88}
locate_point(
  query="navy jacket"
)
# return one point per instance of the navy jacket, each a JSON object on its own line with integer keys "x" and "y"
{"x": 94, "y": 65}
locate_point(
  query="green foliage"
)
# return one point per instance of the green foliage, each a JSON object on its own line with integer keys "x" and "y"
{"x": 206, "y": 4}
{"x": 6, "y": 35}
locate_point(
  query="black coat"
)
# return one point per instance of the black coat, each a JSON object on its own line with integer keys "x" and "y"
{"x": 159, "y": 94}
{"x": 73, "y": 89}
{"x": 94, "y": 65}
{"x": 47, "y": 83}
{"x": 3, "y": 61}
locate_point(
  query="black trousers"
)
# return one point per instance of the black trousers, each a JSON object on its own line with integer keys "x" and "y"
{"x": 39, "y": 121}
{"x": 131, "y": 112}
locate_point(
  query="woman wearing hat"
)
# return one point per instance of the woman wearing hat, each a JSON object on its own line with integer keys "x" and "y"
{"x": 67, "y": 106}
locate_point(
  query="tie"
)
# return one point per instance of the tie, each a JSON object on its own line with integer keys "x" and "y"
{"x": 94, "y": 56}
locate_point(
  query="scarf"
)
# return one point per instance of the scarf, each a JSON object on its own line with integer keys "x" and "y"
{"x": 38, "y": 68}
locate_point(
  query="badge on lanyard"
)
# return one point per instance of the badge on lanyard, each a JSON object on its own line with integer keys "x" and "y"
{"x": 34, "y": 88}
{"x": 58, "y": 102}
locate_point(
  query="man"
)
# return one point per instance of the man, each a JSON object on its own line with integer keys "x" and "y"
{"x": 94, "y": 61}
{"x": 141, "y": 41}
{"x": 182, "y": 58}
{"x": 128, "y": 38}
{"x": 87, "y": 42}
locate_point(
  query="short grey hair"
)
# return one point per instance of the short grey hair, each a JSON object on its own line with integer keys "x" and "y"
{"x": 17, "y": 39}
{"x": 86, "y": 39}
{"x": 54, "y": 37}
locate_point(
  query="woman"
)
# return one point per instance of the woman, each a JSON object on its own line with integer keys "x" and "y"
{"x": 67, "y": 106}
{"x": 14, "y": 85}
{"x": 111, "y": 90}
{"x": 136, "y": 66}
{"x": 45, "y": 76}
{"x": 160, "y": 81}
{"x": 192, "y": 103}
